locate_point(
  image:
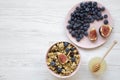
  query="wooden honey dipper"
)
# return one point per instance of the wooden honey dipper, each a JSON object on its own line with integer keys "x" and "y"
{"x": 97, "y": 66}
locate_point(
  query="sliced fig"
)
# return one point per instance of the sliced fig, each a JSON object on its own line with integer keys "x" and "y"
{"x": 105, "y": 30}
{"x": 62, "y": 58}
{"x": 93, "y": 34}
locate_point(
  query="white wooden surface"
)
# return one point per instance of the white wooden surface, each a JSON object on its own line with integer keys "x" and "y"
{"x": 29, "y": 27}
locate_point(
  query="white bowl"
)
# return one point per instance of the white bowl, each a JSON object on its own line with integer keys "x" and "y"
{"x": 57, "y": 75}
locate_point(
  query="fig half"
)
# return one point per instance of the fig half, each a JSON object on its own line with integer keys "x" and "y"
{"x": 105, "y": 30}
{"x": 93, "y": 34}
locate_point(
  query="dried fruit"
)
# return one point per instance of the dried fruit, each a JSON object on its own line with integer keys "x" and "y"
{"x": 62, "y": 58}
{"x": 105, "y": 30}
{"x": 93, "y": 34}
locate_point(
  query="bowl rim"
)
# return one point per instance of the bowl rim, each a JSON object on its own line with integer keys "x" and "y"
{"x": 57, "y": 75}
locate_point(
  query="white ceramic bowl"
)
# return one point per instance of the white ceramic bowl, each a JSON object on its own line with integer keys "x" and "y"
{"x": 57, "y": 75}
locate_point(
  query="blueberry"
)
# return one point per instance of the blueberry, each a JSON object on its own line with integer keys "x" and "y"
{"x": 66, "y": 44}
{"x": 99, "y": 14}
{"x": 101, "y": 17}
{"x": 85, "y": 28}
{"x": 75, "y": 26}
{"x": 78, "y": 39}
{"x": 105, "y": 16}
{"x": 95, "y": 17}
{"x": 77, "y": 14}
{"x": 102, "y": 8}
{"x": 69, "y": 26}
{"x": 81, "y": 5}
{"x": 73, "y": 59}
{"x": 59, "y": 70}
{"x": 82, "y": 31}
{"x": 87, "y": 9}
{"x": 72, "y": 18}
{"x": 92, "y": 20}
{"x": 81, "y": 27}
{"x": 85, "y": 4}
{"x": 72, "y": 14}
{"x": 105, "y": 21}
{"x": 70, "y": 30}
{"x": 77, "y": 8}
{"x": 76, "y": 31}
{"x": 76, "y": 35}
{"x": 87, "y": 25}
{"x": 67, "y": 50}
{"x": 72, "y": 49}
{"x": 81, "y": 15}
{"x": 73, "y": 33}
{"x": 99, "y": 9}
{"x": 79, "y": 31}
{"x": 86, "y": 33}
{"x": 94, "y": 13}
{"x": 94, "y": 3}
{"x": 92, "y": 9}
{"x": 81, "y": 35}
{"x": 90, "y": 3}
{"x": 52, "y": 63}
{"x": 75, "y": 19}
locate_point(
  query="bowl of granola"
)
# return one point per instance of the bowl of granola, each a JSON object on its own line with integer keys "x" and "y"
{"x": 63, "y": 59}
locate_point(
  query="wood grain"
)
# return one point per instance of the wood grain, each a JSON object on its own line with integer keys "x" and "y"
{"x": 29, "y": 27}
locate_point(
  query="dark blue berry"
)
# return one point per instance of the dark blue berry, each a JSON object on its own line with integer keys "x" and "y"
{"x": 70, "y": 30}
{"x": 105, "y": 16}
{"x": 87, "y": 25}
{"x": 78, "y": 39}
{"x": 67, "y": 50}
{"x": 52, "y": 63}
{"x": 99, "y": 14}
{"x": 66, "y": 44}
{"x": 73, "y": 33}
{"x": 69, "y": 26}
{"x": 90, "y": 3}
{"x": 94, "y": 3}
{"x": 101, "y": 17}
{"x": 77, "y": 8}
{"x": 99, "y": 9}
{"x": 102, "y": 8}
{"x": 81, "y": 35}
{"x": 73, "y": 59}
{"x": 59, "y": 70}
{"x": 85, "y": 28}
{"x": 82, "y": 5}
{"x": 81, "y": 27}
{"x": 87, "y": 9}
{"x": 82, "y": 31}
{"x": 105, "y": 21}
{"x": 92, "y": 20}
{"x": 72, "y": 49}
{"x": 86, "y": 33}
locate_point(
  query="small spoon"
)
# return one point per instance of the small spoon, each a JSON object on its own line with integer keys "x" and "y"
{"x": 97, "y": 66}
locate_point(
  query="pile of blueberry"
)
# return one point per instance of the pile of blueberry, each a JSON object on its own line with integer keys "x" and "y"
{"x": 82, "y": 16}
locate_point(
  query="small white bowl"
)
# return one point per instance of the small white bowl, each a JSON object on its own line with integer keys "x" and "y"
{"x": 57, "y": 75}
